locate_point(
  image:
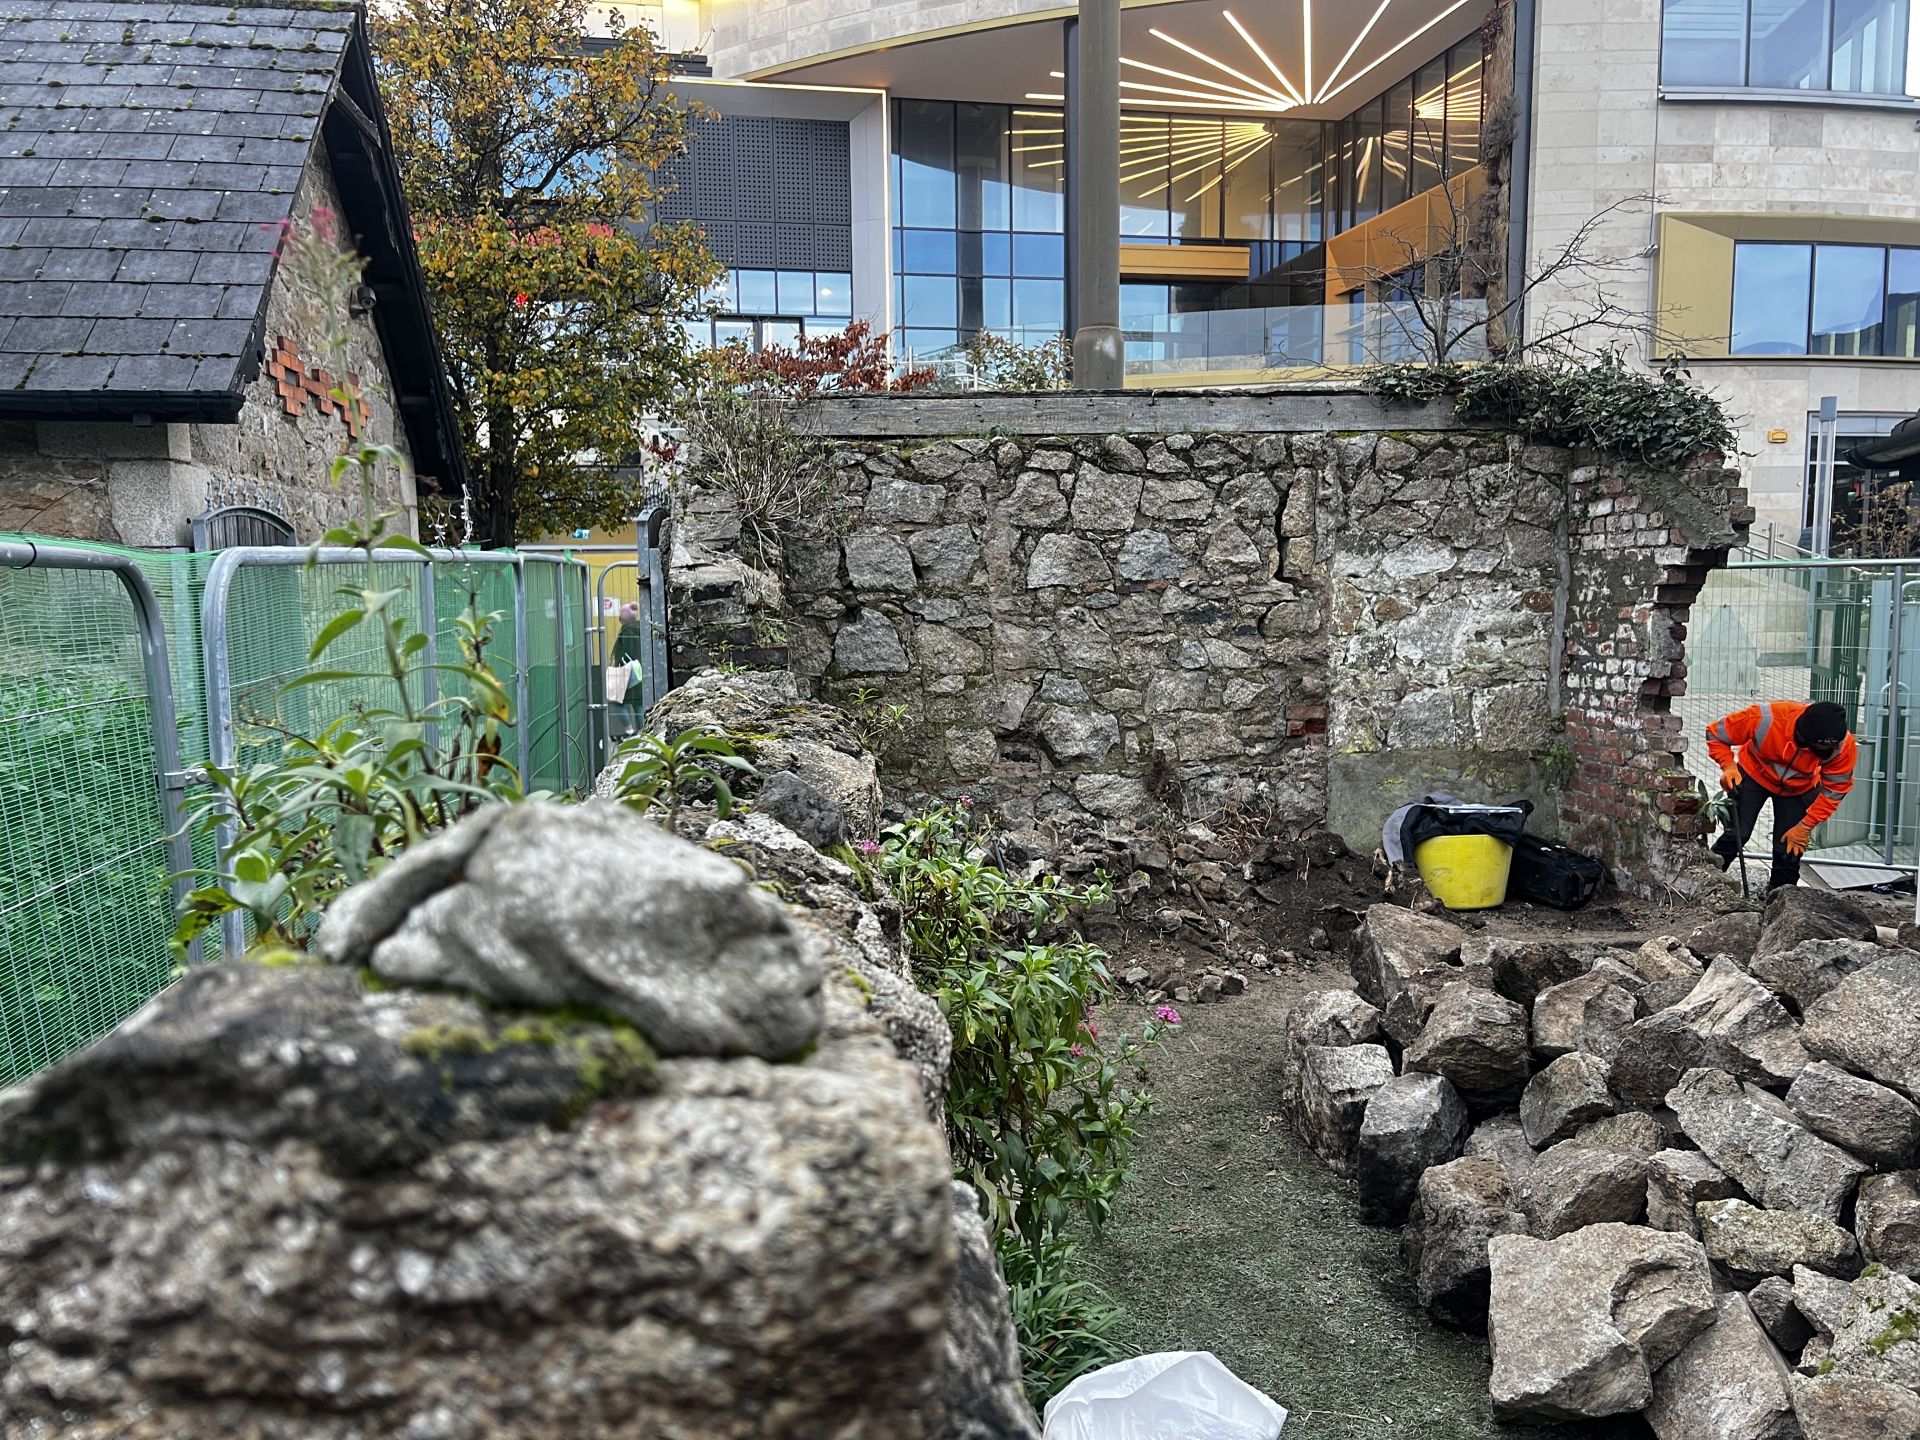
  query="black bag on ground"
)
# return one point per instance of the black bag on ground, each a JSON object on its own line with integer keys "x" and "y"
{"x": 1553, "y": 875}
{"x": 1443, "y": 815}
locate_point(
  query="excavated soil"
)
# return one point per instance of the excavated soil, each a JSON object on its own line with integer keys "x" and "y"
{"x": 1232, "y": 1237}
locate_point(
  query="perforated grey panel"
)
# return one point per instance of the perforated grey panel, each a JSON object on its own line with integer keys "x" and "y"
{"x": 771, "y": 193}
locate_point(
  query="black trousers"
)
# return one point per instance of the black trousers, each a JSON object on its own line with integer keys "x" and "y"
{"x": 1788, "y": 811}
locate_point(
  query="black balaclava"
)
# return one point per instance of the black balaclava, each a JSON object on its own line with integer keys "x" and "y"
{"x": 1821, "y": 728}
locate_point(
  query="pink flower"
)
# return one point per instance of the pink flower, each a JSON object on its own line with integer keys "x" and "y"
{"x": 1167, "y": 1013}
{"x": 868, "y": 847}
{"x": 1076, "y": 1050}
{"x": 966, "y": 802}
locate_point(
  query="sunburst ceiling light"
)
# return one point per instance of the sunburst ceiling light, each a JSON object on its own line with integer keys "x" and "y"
{"x": 1244, "y": 91}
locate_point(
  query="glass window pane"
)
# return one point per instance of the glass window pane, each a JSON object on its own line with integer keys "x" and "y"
{"x": 1193, "y": 182}
{"x": 996, "y": 254}
{"x": 1141, "y": 303}
{"x": 1366, "y": 163}
{"x": 1143, "y": 176}
{"x": 1040, "y": 305}
{"x": 796, "y": 292}
{"x": 1298, "y": 175}
{"x": 1788, "y": 48}
{"x": 929, "y": 300}
{"x": 1429, "y": 125}
{"x": 1248, "y": 187}
{"x": 925, "y": 130}
{"x": 699, "y": 332}
{"x": 833, "y": 293}
{"x": 1038, "y": 175}
{"x": 1849, "y": 299}
{"x": 928, "y": 344}
{"x": 784, "y": 333}
{"x": 725, "y": 332}
{"x": 986, "y": 192}
{"x": 1903, "y": 303}
{"x": 757, "y": 295}
{"x": 1463, "y": 108}
{"x": 1040, "y": 255}
{"x": 1703, "y": 42}
{"x": 1772, "y": 285}
{"x": 1395, "y": 174}
{"x": 722, "y": 293}
{"x": 1870, "y": 46}
{"x": 996, "y": 303}
{"x": 928, "y": 252}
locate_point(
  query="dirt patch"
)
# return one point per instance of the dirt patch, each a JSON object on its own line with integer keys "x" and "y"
{"x": 1232, "y": 1237}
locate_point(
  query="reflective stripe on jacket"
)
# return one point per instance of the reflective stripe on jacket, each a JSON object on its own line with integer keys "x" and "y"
{"x": 1763, "y": 734}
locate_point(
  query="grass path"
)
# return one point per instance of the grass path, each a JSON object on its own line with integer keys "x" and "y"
{"x": 1233, "y": 1238}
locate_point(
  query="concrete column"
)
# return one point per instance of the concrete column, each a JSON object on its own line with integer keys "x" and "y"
{"x": 869, "y": 157}
{"x": 1094, "y": 219}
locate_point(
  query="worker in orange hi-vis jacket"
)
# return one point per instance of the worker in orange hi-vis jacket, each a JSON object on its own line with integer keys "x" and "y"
{"x": 1798, "y": 755}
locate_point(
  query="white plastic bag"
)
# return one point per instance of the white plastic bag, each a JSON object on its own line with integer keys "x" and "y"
{"x": 1182, "y": 1395}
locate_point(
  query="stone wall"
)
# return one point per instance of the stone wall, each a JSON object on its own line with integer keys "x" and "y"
{"x": 1302, "y": 602}
{"x": 142, "y": 484}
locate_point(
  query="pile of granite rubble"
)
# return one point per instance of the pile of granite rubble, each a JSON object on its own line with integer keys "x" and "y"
{"x": 1681, "y": 1180}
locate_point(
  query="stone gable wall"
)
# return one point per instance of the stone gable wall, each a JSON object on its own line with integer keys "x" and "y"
{"x": 1089, "y": 623}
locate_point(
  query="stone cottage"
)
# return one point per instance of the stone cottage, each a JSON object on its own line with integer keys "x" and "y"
{"x": 154, "y": 366}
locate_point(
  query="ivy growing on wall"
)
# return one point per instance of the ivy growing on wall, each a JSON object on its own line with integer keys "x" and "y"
{"x": 1662, "y": 420}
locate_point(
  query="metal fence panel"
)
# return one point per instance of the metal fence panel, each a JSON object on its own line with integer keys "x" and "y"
{"x": 89, "y": 762}
{"x": 118, "y": 668}
{"x": 1821, "y": 630}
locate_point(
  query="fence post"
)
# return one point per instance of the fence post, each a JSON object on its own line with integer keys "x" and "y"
{"x": 522, "y": 663}
{"x": 430, "y": 627}
{"x": 654, "y": 679}
{"x": 1892, "y": 765}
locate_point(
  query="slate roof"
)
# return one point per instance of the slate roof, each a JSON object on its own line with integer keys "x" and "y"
{"x": 147, "y": 151}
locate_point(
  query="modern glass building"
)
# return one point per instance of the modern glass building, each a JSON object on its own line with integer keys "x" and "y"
{"x": 1740, "y": 181}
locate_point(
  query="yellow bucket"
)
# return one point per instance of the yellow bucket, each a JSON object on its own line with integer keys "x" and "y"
{"x": 1465, "y": 872}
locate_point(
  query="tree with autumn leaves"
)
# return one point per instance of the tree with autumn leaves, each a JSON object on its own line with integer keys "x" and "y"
{"x": 530, "y": 157}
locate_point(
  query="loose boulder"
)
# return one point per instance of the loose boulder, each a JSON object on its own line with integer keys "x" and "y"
{"x": 1575, "y": 1185}
{"x": 1875, "y": 1123}
{"x": 1812, "y": 968}
{"x": 1579, "y": 1325}
{"x": 1412, "y": 1123}
{"x": 1730, "y": 1383}
{"x": 1839, "y": 1407}
{"x": 1336, "y": 1082}
{"x": 1524, "y": 968}
{"x": 1590, "y": 1013}
{"x": 1728, "y": 1021}
{"x": 1326, "y": 1017}
{"x": 1756, "y": 1140}
{"x": 1458, "y": 1208}
{"x": 1823, "y": 1299}
{"x": 1635, "y": 1130}
{"x": 1478, "y": 1040}
{"x": 1878, "y": 1338}
{"x": 1870, "y": 1023}
{"x": 1500, "y": 1139}
{"x": 512, "y": 905}
{"x": 1401, "y": 956}
{"x": 1795, "y": 914}
{"x": 1735, "y": 933}
{"x": 1751, "y": 1244}
{"x": 1771, "y": 1301}
{"x": 1887, "y": 1220}
{"x": 1563, "y": 1097}
{"x": 1677, "y": 1181}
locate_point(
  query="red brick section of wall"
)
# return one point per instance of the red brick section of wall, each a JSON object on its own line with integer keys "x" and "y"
{"x": 1641, "y": 547}
{"x": 298, "y": 386}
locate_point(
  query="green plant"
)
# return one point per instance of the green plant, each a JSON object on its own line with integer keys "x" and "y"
{"x": 1661, "y": 420}
{"x": 1066, "y": 1327}
{"x": 879, "y": 726}
{"x": 333, "y": 807}
{"x": 1040, "y": 1105}
{"x": 659, "y": 773}
{"x": 1002, "y": 364}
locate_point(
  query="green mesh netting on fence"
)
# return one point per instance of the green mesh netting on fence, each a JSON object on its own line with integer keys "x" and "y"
{"x": 86, "y": 907}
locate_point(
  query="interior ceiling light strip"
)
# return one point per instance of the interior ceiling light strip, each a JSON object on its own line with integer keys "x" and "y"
{"x": 1263, "y": 98}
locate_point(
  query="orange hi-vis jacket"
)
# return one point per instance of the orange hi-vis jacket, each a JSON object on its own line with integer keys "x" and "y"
{"x": 1764, "y": 734}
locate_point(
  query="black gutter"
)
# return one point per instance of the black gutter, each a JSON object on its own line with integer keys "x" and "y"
{"x": 1885, "y": 452}
{"x": 1519, "y": 173}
